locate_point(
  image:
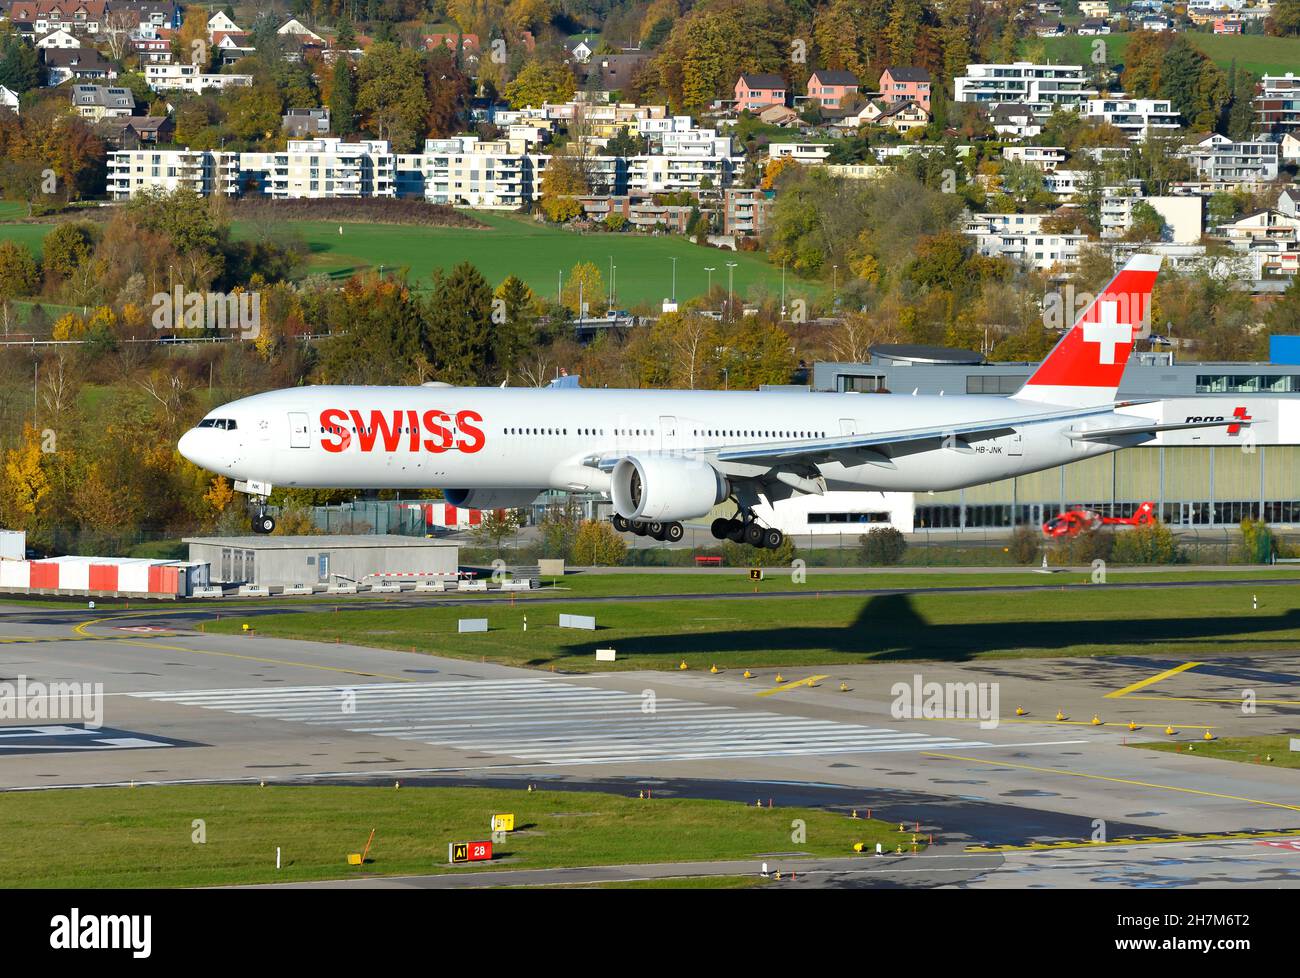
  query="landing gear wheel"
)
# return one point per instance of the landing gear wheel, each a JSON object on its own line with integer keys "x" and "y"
{"x": 735, "y": 531}
{"x": 621, "y": 524}
{"x": 640, "y": 528}
{"x": 262, "y": 523}
{"x": 754, "y": 535}
{"x": 657, "y": 530}
{"x": 720, "y": 528}
{"x": 673, "y": 532}
{"x": 772, "y": 539}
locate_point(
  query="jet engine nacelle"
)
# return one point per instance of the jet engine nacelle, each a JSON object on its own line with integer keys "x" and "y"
{"x": 491, "y": 498}
{"x": 658, "y": 488}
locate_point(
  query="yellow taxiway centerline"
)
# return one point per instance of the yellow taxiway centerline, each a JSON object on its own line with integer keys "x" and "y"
{"x": 1142, "y": 684}
{"x": 1139, "y": 840}
{"x": 1102, "y": 777}
{"x": 810, "y": 681}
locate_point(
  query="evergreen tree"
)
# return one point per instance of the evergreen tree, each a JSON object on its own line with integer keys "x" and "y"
{"x": 343, "y": 100}
{"x": 459, "y": 339}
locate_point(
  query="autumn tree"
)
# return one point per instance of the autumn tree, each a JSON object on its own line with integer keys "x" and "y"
{"x": 391, "y": 96}
{"x": 584, "y": 286}
{"x": 563, "y": 181}
{"x": 597, "y": 544}
{"x": 541, "y": 82}
{"x": 18, "y": 272}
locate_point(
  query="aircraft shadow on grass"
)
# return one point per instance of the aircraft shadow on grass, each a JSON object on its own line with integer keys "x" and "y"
{"x": 890, "y": 628}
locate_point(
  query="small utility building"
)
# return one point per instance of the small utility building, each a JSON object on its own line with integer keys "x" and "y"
{"x": 271, "y": 561}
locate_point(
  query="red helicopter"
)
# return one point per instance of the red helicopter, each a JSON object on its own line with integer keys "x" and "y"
{"x": 1075, "y": 521}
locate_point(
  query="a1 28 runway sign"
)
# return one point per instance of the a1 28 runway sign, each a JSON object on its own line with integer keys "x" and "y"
{"x": 468, "y": 852}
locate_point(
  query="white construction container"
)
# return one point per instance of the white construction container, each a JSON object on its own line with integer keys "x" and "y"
{"x": 15, "y": 575}
{"x": 74, "y": 573}
{"x": 13, "y": 544}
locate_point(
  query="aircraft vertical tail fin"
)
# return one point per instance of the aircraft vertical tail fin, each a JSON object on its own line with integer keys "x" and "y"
{"x": 1084, "y": 369}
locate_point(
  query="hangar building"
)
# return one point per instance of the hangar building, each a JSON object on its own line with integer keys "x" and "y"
{"x": 298, "y": 561}
{"x": 1206, "y": 478}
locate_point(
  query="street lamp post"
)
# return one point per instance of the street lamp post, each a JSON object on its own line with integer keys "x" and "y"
{"x": 710, "y": 269}
{"x": 783, "y": 288}
{"x": 674, "y": 261}
{"x": 731, "y": 265}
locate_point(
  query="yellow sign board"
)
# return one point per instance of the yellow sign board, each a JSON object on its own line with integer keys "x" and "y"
{"x": 503, "y": 823}
{"x": 756, "y": 573}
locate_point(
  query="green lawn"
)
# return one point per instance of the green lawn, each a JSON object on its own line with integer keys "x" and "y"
{"x": 29, "y": 236}
{"x": 822, "y": 631}
{"x": 814, "y": 581}
{"x": 1247, "y": 750}
{"x": 122, "y": 837}
{"x": 1254, "y": 52}
{"x": 536, "y": 253}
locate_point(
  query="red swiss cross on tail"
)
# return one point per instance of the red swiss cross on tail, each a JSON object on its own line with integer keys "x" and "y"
{"x": 1085, "y": 367}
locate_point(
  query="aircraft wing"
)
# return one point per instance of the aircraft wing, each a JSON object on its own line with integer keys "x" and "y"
{"x": 1150, "y": 428}
{"x": 810, "y": 450}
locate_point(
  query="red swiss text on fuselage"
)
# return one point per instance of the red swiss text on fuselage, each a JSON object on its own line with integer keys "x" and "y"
{"x": 397, "y": 430}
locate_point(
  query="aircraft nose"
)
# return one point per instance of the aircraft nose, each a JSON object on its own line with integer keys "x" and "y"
{"x": 192, "y": 446}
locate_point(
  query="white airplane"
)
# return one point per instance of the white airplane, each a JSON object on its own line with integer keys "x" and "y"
{"x": 665, "y": 456}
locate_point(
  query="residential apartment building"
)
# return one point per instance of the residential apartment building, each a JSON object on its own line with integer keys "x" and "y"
{"x": 754, "y": 91}
{"x": 1046, "y": 158}
{"x": 1044, "y": 87}
{"x": 1135, "y": 117}
{"x": 903, "y": 84}
{"x": 203, "y": 171}
{"x": 189, "y": 78}
{"x": 95, "y": 102}
{"x": 1020, "y": 238}
{"x": 315, "y": 168}
{"x": 1183, "y": 215}
{"x": 468, "y": 172}
{"x": 1277, "y": 104}
{"x": 44, "y": 16}
{"x": 746, "y": 211}
{"x": 829, "y": 88}
{"x": 799, "y": 152}
{"x": 1221, "y": 163}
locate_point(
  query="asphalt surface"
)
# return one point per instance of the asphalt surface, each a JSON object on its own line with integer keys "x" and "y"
{"x": 185, "y": 707}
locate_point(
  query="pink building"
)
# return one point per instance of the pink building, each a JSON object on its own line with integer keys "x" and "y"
{"x": 828, "y": 88}
{"x": 904, "y": 84}
{"x": 757, "y": 91}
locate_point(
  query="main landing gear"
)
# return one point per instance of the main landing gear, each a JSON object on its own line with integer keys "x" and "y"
{"x": 664, "y": 532}
{"x": 747, "y": 530}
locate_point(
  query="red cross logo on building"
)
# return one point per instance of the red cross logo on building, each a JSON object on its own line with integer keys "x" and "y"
{"x": 1241, "y": 415}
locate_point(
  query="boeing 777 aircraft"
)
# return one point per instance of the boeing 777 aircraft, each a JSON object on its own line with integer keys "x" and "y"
{"x": 664, "y": 456}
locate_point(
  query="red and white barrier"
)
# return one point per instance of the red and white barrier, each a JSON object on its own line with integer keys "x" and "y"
{"x": 104, "y": 575}
{"x": 446, "y": 516}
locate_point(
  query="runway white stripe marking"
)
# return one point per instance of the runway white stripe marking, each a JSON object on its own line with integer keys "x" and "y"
{"x": 549, "y": 722}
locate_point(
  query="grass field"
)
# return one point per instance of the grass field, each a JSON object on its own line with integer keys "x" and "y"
{"x": 1246, "y": 750}
{"x": 1254, "y": 52}
{"x": 29, "y": 236}
{"x": 536, "y": 253}
{"x": 825, "y": 630}
{"x": 126, "y": 837}
{"x": 589, "y": 585}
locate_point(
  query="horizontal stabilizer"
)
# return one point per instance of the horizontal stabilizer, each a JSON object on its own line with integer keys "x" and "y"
{"x": 1151, "y": 428}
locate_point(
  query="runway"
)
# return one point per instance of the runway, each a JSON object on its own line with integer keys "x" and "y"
{"x": 185, "y": 707}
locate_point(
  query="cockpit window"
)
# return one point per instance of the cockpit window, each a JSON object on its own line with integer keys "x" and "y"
{"x": 226, "y": 424}
{"x": 208, "y": 423}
